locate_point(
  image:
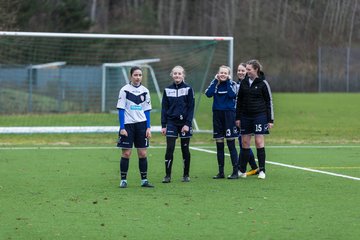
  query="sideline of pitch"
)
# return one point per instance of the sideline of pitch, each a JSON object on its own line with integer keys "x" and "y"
{"x": 197, "y": 149}
{"x": 288, "y": 166}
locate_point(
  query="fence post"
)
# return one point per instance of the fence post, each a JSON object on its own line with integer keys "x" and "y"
{"x": 319, "y": 69}
{"x": 30, "y": 69}
{"x": 347, "y": 69}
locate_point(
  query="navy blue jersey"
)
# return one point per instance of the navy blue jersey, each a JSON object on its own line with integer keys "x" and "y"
{"x": 177, "y": 105}
{"x": 224, "y": 94}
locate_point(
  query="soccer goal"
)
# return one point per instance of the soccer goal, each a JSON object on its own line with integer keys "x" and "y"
{"x": 71, "y": 81}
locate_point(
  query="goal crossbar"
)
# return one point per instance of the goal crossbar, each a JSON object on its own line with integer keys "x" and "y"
{"x": 128, "y": 36}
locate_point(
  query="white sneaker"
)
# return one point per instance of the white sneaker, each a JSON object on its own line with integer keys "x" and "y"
{"x": 261, "y": 175}
{"x": 242, "y": 175}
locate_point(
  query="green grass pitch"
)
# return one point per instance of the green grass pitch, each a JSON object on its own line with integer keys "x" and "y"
{"x": 72, "y": 193}
{"x": 65, "y": 186}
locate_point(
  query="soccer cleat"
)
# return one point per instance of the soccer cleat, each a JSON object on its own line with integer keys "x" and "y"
{"x": 123, "y": 184}
{"x": 241, "y": 174}
{"x": 219, "y": 176}
{"x": 147, "y": 184}
{"x": 261, "y": 175}
{"x": 185, "y": 179}
{"x": 252, "y": 172}
{"x": 233, "y": 176}
{"x": 166, "y": 179}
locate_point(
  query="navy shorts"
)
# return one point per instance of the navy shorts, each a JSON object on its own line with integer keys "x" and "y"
{"x": 224, "y": 124}
{"x": 175, "y": 131}
{"x": 136, "y": 135}
{"x": 254, "y": 125}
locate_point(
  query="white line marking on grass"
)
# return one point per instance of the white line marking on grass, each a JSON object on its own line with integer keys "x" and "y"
{"x": 299, "y": 146}
{"x": 331, "y": 146}
{"x": 63, "y": 148}
{"x": 289, "y": 166}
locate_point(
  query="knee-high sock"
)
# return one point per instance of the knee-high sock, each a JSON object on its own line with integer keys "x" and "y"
{"x": 261, "y": 158}
{"x": 220, "y": 155}
{"x": 233, "y": 154}
{"x": 252, "y": 161}
{"x": 186, "y": 155}
{"x": 124, "y": 167}
{"x": 169, "y": 155}
{"x": 143, "y": 166}
{"x": 244, "y": 159}
{"x": 240, "y": 152}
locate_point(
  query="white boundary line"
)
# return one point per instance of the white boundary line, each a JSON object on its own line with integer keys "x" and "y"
{"x": 63, "y": 148}
{"x": 289, "y": 166}
{"x": 196, "y": 149}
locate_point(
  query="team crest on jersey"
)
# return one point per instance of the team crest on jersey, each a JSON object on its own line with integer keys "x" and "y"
{"x": 228, "y": 132}
{"x": 142, "y": 98}
{"x": 235, "y": 130}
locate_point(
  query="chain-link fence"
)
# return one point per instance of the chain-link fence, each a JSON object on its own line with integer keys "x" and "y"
{"x": 338, "y": 69}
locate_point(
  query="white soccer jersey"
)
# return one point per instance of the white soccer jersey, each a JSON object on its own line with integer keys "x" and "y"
{"x": 135, "y": 101}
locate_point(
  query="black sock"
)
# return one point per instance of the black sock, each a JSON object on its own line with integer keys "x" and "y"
{"x": 261, "y": 158}
{"x": 252, "y": 161}
{"x": 244, "y": 159}
{"x": 233, "y": 154}
{"x": 124, "y": 167}
{"x": 143, "y": 167}
{"x": 169, "y": 155}
{"x": 220, "y": 156}
{"x": 186, "y": 155}
{"x": 240, "y": 152}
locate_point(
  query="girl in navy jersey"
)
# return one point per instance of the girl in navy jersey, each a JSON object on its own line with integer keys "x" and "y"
{"x": 176, "y": 120}
{"x": 224, "y": 90}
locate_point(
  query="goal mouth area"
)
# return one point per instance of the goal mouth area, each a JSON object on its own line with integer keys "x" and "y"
{"x": 55, "y": 82}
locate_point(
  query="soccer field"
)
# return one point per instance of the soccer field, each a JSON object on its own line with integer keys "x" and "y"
{"x": 65, "y": 186}
{"x": 72, "y": 193}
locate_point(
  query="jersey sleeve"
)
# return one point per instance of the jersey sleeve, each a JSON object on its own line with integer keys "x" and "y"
{"x": 191, "y": 103}
{"x": 164, "y": 109}
{"x": 121, "y": 103}
{"x": 210, "y": 91}
{"x": 269, "y": 102}
{"x": 147, "y": 102}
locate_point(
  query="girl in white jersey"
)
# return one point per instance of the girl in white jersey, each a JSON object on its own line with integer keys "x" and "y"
{"x": 134, "y": 107}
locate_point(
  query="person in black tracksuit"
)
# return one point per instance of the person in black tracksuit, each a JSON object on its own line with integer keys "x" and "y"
{"x": 241, "y": 74}
{"x": 254, "y": 114}
{"x": 176, "y": 120}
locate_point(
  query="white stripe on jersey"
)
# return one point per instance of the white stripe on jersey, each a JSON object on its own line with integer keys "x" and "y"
{"x": 134, "y": 111}
{"x": 271, "y": 99}
{"x": 180, "y": 92}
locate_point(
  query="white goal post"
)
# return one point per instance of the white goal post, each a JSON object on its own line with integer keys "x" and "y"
{"x": 144, "y": 63}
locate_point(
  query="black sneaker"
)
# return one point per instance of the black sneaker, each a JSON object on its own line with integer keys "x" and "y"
{"x": 147, "y": 184}
{"x": 185, "y": 179}
{"x": 219, "y": 176}
{"x": 167, "y": 179}
{"x": 233, "y": 176}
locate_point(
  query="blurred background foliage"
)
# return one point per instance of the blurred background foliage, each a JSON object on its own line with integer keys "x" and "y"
{"x": 284, "y": 35}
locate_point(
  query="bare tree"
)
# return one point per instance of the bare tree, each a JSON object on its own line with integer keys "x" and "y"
{"x": 352, "y": 22}
{"x": 8, "y": 12}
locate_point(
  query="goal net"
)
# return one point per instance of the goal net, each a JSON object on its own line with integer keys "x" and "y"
{"x": 57, "y": 82}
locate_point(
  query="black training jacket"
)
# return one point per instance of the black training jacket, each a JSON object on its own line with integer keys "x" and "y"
{"x": 177, "y": 105}
{"x": 255, "y": 99}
